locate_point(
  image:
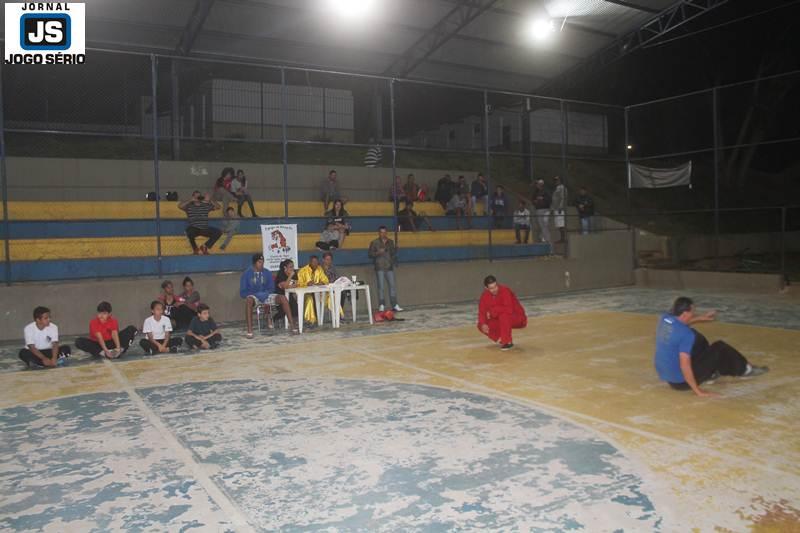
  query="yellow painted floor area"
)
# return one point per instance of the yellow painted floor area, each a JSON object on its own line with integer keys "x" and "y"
{"x": 724, "y": 464}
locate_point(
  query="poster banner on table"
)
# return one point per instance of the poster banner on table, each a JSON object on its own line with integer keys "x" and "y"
{"x": 280, "y": 242}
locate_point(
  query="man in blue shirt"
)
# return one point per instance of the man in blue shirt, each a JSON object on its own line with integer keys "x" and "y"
{"x": 684, "y": 358}
{"x": 257, "y": 287}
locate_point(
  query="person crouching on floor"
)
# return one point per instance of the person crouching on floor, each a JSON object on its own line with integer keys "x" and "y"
{"x": 685, "y": 359}
{"x": 499, "y": 311}
{"x": 203, "y": 331}
{"x": 157, "y": 328}
{"x": 105, "y": 338}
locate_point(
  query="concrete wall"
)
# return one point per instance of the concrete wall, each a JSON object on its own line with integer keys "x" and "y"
{"x": 725, "y": 281}
{"x": 695, "y": 247}
{"x": 61, "y": 179}
{"x": 601, "y": 260}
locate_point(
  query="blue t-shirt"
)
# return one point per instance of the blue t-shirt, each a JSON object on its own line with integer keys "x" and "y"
{"x": 672, "y": 338}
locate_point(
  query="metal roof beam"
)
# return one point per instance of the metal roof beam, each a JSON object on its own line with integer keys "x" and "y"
{"x": 665, "y": 22}
{"x": 193, "y": 26}
{"x": 453, "y": 22}
{"x": 631, "y": 5}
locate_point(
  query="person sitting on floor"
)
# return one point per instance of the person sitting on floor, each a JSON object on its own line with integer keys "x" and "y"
{"x": 157, "y": 329}
{"x": 286, "y": 279}
{"x": 175, "y": 307}
{"x": 329, "y": 238}
{"x": 104, "y": 331}
{"x": 499, "y": 311}
{"x": 685, "y": 359}
{"x": 41, "y": 342}
{"x": 410, "y": 220}
{"x": 309, "y": 275}
{"x": 257, "y": 288}
{"x": 203, "y": 332}
{"x": 189, "y": 297}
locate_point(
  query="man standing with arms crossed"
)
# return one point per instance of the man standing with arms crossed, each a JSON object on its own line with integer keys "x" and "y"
{"x": 383, "y": 253}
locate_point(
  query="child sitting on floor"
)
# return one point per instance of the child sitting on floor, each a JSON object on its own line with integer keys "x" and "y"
{"x": 203, "y": 331}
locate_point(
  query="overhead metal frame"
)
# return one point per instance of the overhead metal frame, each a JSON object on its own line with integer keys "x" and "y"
{"x": 448, "y": 26}
{"x": 193, "y": 26}
{"x": 665, "y": 22}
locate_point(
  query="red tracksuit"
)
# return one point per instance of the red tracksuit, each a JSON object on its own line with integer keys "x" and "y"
{"x": 504, "y": 314}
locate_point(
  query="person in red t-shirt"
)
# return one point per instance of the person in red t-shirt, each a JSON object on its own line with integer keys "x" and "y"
{"x": 499, "y": 312}
{"x": 104, "y": 335}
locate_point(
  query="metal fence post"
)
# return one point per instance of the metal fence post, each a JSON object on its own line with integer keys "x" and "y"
{"x": 488, "y": 167}
{"x": 564, "y": 147}
{"x": 156, "y": 178}
{"x": 631, "y": 227}
{"x": 284, "y": 147}
{"x": 394, "y": 157}
{"x": 715, "y": 118}
{"x": 4, "y": 186}
{"x": 783, "y": 244}
{"x": 175, "y": 114}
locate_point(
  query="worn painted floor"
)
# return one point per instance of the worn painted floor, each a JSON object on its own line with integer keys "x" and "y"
{"x": 415, "y": 425}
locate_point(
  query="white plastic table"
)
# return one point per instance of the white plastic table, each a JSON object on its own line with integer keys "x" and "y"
{"x": 337, "y": 302}
{"x": 318, "y": 291}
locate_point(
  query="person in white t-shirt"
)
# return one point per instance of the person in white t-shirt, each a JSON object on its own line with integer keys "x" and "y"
{"x": 41, "y": 341}
{"x": 157, "y": 329}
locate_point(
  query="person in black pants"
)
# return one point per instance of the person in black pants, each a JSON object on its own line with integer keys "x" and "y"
{"x": 105, "y": 336}
{"x": 203, "y": 331}
{"x": 42, "y": 348}
{"x": 685, "y": 359}
{"x": 197, "y": 210}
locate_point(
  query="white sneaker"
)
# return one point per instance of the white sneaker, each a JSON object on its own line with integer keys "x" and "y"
{"x": 381, "y": 309}
{"x": 397, "y": 308}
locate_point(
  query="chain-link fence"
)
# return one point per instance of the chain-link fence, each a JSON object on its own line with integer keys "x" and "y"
{"x": 97, "y": 158}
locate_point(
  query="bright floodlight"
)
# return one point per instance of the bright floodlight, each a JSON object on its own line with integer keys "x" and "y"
{"x": 542, "y": 29}
{"x": 351, "y": 9}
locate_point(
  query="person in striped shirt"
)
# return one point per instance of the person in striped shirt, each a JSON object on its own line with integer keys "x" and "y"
{"x": 197, "y": 210}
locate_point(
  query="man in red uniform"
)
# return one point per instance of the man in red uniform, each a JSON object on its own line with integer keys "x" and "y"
{"x": 499, "y": 312}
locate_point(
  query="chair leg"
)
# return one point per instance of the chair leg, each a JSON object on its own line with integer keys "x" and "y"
{"x": 258, "y": 316}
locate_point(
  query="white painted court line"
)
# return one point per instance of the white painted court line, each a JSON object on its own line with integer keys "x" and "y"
{"x": 561, "y": 412}
{"x": 228, "y": 507}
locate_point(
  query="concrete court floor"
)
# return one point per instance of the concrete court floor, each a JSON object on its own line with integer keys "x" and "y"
{"x": 418, "y": 425}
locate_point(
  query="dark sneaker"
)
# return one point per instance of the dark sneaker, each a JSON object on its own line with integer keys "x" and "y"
{"x": 756, "y": 371}
{"x": 213, "y": 345}
{"x": 173, "y": 349}
{"x": 507, "y": 347}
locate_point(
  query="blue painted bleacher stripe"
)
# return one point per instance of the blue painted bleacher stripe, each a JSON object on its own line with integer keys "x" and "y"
{"x": 129, "y": 267}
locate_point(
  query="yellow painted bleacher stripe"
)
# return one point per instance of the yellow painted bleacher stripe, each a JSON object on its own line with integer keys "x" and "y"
{"x": 95, "y": 248}
{"x": 147, "y": 210}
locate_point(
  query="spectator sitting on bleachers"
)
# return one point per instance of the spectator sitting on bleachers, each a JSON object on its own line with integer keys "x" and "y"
{"x": 222, "y": 188}
{"x": 338, "y": 215}
{"x": 105, "y": 336}
{"x": 329, "y": 239}
{"x": 522, "y": 222}
{"x": 330, "y": 190}
{"x": 423, "y": 195}
{"x": 444, "y": 190}
{"x": 41, "y": 342}
{"x": 197, "y": 210}
{"x": 397, "y": 191}
{"x": 230, "y": 226}
{"x": 457, "y": 207}
{"x": 174, "y": 307}
{"x": 411, "y": 189}
{"x": 479, "y": 191}
{"x": 240, "y": 192}
{"x": 157, "y": 329}
{"x": 410, "y": 220}
{"x": 203, "y": 332}
{"x": 257, "y": 287}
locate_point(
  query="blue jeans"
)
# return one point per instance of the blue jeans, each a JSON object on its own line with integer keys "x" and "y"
{"x": 383, "y": 277}
{"x": 586, "y": 225}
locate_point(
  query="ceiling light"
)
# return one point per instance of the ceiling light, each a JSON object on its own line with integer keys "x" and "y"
{"x": 542, "y": 29}
{"x": 351, "y": 9}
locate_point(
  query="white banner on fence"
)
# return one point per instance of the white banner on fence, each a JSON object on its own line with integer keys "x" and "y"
{"x": 641, "y": 177}
{"x": 280, "y": 242}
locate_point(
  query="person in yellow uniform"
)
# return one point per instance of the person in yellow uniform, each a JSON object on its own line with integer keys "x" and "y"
{"x": 311, "y": 274}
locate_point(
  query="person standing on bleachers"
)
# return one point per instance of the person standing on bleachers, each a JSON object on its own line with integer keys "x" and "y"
{"x": 383, "y": 253}
{"x": 479, "y": 191}
{"x": 222, "y": 188}
{"x": 541, "y": 205}
{"x": 499, "y": 207}
{"x": 585, "y": 206}
{"x": 242, "y": 195}
{"x": 197, "y": 210}
{"x": 330, "y": 190}
{"x": 559, "y": 206}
